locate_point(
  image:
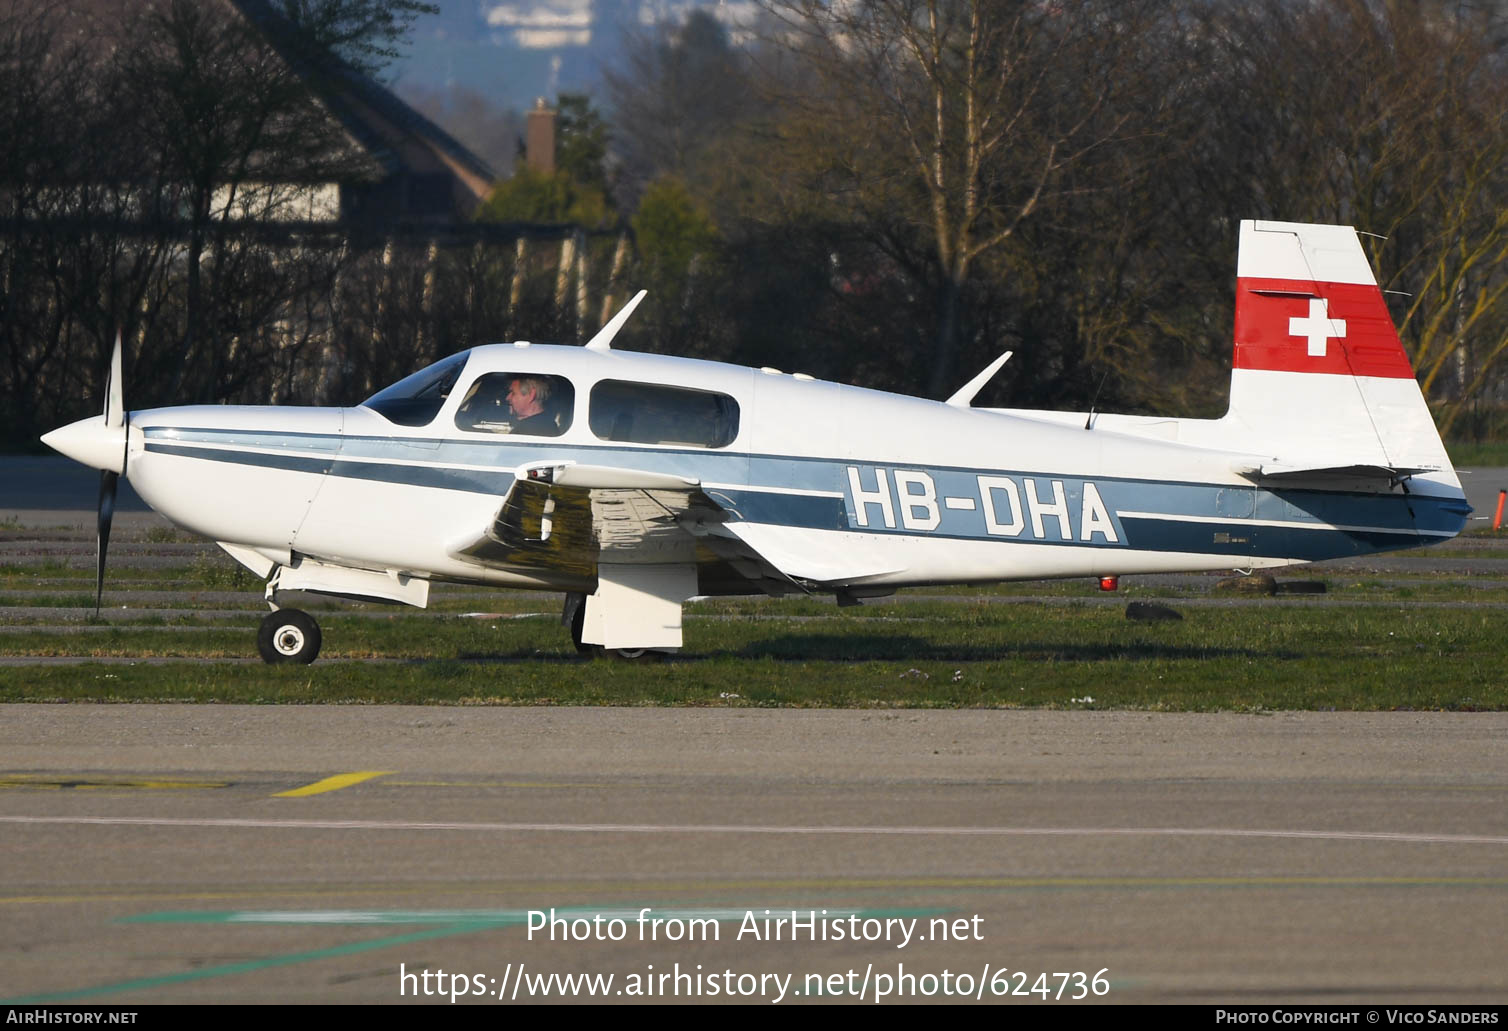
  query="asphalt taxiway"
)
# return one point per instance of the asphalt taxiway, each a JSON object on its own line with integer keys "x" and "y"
{"x": 314, "y": 854}
{"x": 160, "y": 854}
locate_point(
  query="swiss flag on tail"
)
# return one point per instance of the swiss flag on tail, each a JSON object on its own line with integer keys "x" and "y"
{"x": 1320, "y": 379}
{"x": 1307, "y": 302}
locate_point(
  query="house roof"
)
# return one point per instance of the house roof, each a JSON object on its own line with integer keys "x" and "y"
{"x": 411, "y": 169}
{"x": 395, "y": 135}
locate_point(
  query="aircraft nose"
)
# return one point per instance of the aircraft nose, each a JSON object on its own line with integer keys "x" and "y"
{"x": 92, "y": 443}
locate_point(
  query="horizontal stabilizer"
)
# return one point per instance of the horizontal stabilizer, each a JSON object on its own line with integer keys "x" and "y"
{"x": 1289, "y": 470}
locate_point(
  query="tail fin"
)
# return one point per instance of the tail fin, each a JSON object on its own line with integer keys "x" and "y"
{"x": 1320, "y": 378}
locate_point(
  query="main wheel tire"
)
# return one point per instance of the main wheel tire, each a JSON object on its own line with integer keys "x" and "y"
{"x": 636, "y": 654}
{"x": 578, "y": 622}
{"x": 596, "y": 651}
{"x": 288, "y": 635}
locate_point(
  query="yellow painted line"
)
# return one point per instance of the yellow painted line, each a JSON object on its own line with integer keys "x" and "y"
{"x": 494, "y": 784}
{"x": 335, "y": 783}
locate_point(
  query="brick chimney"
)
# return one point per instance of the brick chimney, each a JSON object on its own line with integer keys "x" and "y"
{"x": 539, "y": 138}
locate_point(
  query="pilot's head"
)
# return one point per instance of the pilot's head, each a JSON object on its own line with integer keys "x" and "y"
{"x": 527, "y": 395}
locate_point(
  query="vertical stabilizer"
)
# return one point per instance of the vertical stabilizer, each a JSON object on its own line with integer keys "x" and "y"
{"x": 1320, "y": 377}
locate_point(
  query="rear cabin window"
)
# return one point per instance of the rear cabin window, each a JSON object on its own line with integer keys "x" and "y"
{"x": 517, "y": 403}
{"x": 648, "y": 413}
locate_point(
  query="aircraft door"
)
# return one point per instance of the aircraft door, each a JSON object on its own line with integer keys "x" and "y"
{"x": 313, "y": 485}
{"x": 1236, "y": 507}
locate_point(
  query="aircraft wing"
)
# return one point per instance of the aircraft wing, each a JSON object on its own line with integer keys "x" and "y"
{"x": 790, "y": 550}
{"x": 565, "y": 518}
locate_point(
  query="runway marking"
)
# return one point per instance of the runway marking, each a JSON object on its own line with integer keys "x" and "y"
{"x": 493, "y": 784}
{"x": 762, "y": 829}
{"x": 59, "y": 782}
{"x": 457, "y": 922}
{"x": 492, "y": 917}
{"x": 342, "y": 780}
{"x": 788, "y": 884}
{"x": 247, "y": 966}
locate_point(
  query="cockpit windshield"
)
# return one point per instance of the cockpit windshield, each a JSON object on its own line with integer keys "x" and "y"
{"x": 415, "y": 400}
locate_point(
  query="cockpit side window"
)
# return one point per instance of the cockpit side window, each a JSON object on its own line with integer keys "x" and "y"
{"x": 518, "y": 402}
{"x": 415, "y": 400}
{"x": 649, "y": 413}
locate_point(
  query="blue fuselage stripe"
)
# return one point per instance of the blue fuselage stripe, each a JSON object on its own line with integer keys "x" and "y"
{"x": 949, "y": 503}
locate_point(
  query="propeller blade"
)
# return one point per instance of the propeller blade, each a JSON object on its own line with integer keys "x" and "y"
{"x": 115, "y": 404}
{"x": 108, "y": 481}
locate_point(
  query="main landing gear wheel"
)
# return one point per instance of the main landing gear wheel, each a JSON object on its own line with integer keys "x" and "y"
{"x": 596, "y": 651}
{"x": 578, "y": 620}
{"x": 288, "y": 635}
{"x": 636, "y": 654}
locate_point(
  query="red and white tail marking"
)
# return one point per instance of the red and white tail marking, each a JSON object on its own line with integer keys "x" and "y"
{"x": 1306, "y": 301}
{"x": 1318, "y": 327}
{"x": 1318, "y": 368}
{"x": 1291, "y": 325}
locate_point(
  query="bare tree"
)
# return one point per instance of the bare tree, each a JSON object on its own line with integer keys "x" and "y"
{"x": 226, "y": 132}
{"x": 965, "y": 115}
{"x": 676, "y": 95}
{"x": 366, "y": 34}
{"x": 1389, "y": 117}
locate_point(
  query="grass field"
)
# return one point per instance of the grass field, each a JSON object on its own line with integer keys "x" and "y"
{"x": 180, "y": 619}
{"x": 1058, "y": 655}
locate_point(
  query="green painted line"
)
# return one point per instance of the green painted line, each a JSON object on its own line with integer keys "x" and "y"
{"x": 481, "y": 918}
{"x": 288, "y": 959}
{"x": 451, "y": 922}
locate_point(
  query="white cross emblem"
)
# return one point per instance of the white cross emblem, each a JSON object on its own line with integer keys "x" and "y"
{"x": 1319, "y": 327}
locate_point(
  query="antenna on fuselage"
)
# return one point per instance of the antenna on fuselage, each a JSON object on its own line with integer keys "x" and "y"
{"x": 603, "y": 341}
{"x": 964, "y": 396}
{"x": 1089, "y": 419}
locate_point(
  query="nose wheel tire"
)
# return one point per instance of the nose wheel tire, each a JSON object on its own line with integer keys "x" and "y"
{"x": 288, "y": 635}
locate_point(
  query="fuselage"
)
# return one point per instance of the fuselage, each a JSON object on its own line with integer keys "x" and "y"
{"x": 918, "y": 491}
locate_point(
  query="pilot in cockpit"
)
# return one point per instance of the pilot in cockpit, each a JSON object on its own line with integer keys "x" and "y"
{"x": 515, "y": 403}
{"x": 529, "y": 400}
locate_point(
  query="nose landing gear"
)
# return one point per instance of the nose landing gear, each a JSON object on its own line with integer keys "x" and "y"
{"x": 288, "y": 635}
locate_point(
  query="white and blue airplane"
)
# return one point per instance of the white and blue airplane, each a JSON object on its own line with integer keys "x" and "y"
{"x": 634, "y": 482}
